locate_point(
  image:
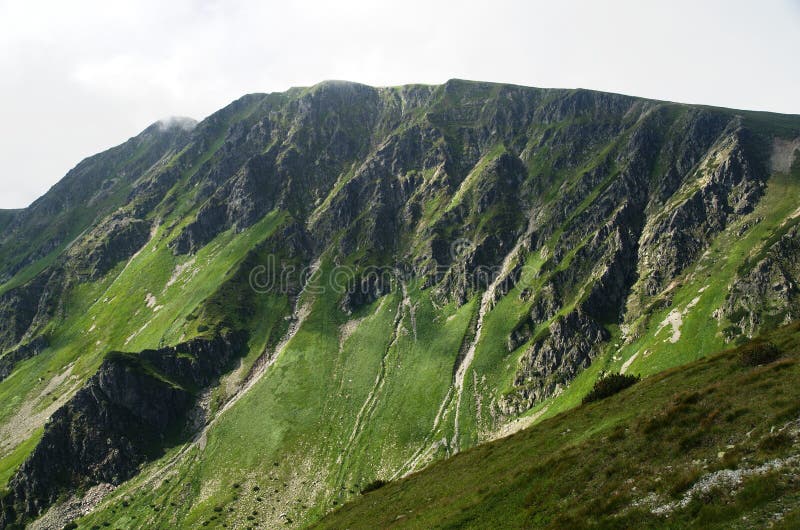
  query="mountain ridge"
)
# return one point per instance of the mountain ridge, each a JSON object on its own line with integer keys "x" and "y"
{"x": 500, "y": 246}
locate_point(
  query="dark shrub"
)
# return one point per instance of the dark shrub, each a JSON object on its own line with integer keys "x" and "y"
{"x": 374, "y": 485}
{"x": 775, "y": 442}
{"x": 758, "y": 352}
{"x": 608, "y": 385}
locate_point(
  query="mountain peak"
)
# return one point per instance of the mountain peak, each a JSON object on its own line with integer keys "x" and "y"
{"x": 175, "y": 122}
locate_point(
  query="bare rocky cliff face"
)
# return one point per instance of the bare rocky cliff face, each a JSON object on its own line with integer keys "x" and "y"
{"x": 618, "y": 195}
{"x": 123, "y": 416}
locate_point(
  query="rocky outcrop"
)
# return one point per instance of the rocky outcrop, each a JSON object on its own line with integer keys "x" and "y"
{"x": 18, "y": 307}
{"x": 730, "y": 184}
{"x": 25, "y": 310}
{"x": 766, "y": 291}
{"x": 114, "y": 240}
{"x": 370, "y": 285}
{"x": 569, "y": 346}
{"x": 20, "y": 353}
{"x": 620, "y": 239}
{"x": 122, "y": 417}
{"x": 242, "y": 201}
{"x": 480, "y": 229}
{"x": 616, "y": 270}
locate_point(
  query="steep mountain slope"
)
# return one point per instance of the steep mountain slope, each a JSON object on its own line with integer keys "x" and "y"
{"x": 714, "y": 444}
{"x": 343, "y": 283}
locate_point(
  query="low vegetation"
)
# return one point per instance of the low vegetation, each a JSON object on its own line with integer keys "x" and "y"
{"x": 374, "y": 485}
{"x": 758, "y": 352}
{"x": 714, "y": 444}
{"x": 608, "y": 385}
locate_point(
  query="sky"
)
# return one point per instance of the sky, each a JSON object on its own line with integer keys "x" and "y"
{"x": 80, "y": 76}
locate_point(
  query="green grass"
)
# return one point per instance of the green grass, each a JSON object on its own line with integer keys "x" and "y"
{"x": 303, "y": 413}
{"x": 112, "y": 314}
{"x": 12, "y": 460}
{"x": 603, "y": 465}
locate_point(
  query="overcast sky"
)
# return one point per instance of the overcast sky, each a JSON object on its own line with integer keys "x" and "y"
{"x": 77, "y": 77}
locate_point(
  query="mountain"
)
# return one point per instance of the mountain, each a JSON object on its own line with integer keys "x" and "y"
{"x": 313, "y": 290}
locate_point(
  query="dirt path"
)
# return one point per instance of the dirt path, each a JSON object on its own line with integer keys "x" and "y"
{"x": 627, "y": 364}
{"x": 518, "y": 424}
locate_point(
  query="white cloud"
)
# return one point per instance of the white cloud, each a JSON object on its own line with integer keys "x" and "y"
{"x": 84, "y": 75}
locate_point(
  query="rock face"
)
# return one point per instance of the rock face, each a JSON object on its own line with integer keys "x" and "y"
{"x": 122, "y": 417}
{"x": 26, "y": 351}
{"x": 114, "y": 240}
{"x": 731, "y": 186}
{"x": 241, "y": 202}
{"x": 364, "y": 290}
{"x": 569, "y": 346}
{"x": 767, "y": 291}
{"x": 24, "y": 311}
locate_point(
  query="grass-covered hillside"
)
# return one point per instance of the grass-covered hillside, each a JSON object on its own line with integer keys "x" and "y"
{"x": 712, "y": 444}
{"x": 250, "y": 319}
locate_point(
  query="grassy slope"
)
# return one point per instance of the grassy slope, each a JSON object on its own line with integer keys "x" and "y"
{"x": 370, "y": 401}
{"x": 607, "y": 463}
{"x": 113, "y": 315}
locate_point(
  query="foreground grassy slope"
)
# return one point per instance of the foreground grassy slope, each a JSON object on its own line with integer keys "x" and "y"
{"x": 713, "y": 444}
